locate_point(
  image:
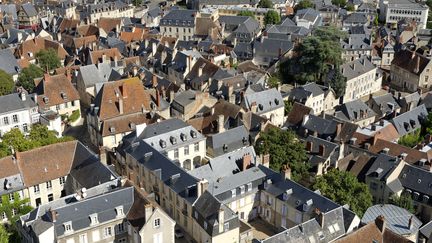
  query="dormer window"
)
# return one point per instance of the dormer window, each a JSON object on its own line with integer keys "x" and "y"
{"x": 119, "y": 211}
{"x": 173, "y": 140}
{"x": 68, "y": 227}
{"x": 193, "y": 134}
{"x": 183, "y": 137}
{"x": 162, "y": 143}
{"x": 93, "y": 219}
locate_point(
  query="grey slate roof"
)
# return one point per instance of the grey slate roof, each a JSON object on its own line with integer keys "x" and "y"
{"x": 179, "y": 17}
{"x": 396, "y": 218}
{"x": 308, "y": 14}
{"x": 356, "y": 18}
{"x": 410, "y": 121}
{"x": 266, "y": 100}
{"x": 92, "y": 74}
{"x": 272, "y": 47}
{"x": 418, "y": 180}
{"x": 320, "y": 125}
{"x": 355, "y": 110}
{"x": 169, "y": 173}
{"x": 386, "y": 104}
{"x": 357, "y": 67}
{"x": 426, "y": 230}
{"x": 29, "y": 9}
{"x": 8, "y": 62}
{"x": 382, "y": 167}
{"x": 312, "y": 231}
{"x": 233, "y": 139}
{"x": 169, "y": 134}
{"x": 13, "y": 102}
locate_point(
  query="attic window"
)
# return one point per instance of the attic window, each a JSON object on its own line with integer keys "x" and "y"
{"x": 46, "y": 100}
{"x": 112, "y": 129}
{"x": 173, "y": 140}
{"x": 183, "y": 137}
{"x": 225, "y": 147}
{"x": 193, "y": 134}
{"x": 93, "y": 219}
{"x": 261, "y": 107}
{"x": 276, "y": 101}
{"x": 162, "y": 143}
{"x": 244, "y": 140}
{"x": 119, "y": 211}
{"x": 63, "y": 95}
{"x": 132, "y": 125}
{"x": 68, "y": 227}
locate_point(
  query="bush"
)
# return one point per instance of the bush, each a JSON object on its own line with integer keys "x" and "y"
{"x": 411, "y": 140}
{"x": 75, "y": 116}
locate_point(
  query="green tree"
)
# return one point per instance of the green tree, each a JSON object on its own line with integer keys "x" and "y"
{"x": 403, "y": 201}
{"x": 344, "y": 188}
{"x": 41, "y": 136}
{"x": 272, "y": 17}
{"x": 340, "y": 3}
{"x": 4, "y": 235}
{"x": 273, "y": 81}
{"x": 6, "y": 83}
{"x": 350, "y": 7}
{"x": 314, "y": 56}
{"x": 427, "y": 125}
{"x": 284, "y": 148}
{"x": 15, "y": 139}
{"x": 247, "y": 13}
{"x": 27, "y": 76}
{"x": 15, "y": 208}
{"x": 411, "y": 139}
{"x": 338, "y": 82}
{"x": 48, "y": 59}
{"x": 304, "y": 4}
{"x": 288, "y": 106}
{"x": 137, "y": 3}
{"x": 265, "y": 4}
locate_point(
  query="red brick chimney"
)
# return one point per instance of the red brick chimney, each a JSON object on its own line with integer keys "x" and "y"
{"x": 247, "y": 159}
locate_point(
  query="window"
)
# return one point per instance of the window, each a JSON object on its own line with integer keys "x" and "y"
{"x": 120, "y": 228}
{"x": 233, "y": 193}
{"x": 6, "y": 120}
{"x": 73, "y": 102}
{"x": 15, "y": 118}
{"x": 186, "y": 150}
{"x": 242, "y": 189}
{"x": 62, "y": 180}
{"x": 196, "y": 146}
{"x": 48, "y": 184}
{"x": 176, "y": 153}
{"x": 119, "y": 211}
{"x": 226, "y": 226}
{"x": 94, "y": 218}
{"x": 57, "y": 107}
{"x": 68, "y": 227}
{"x": 11, "y": 197}
{"x": 249, "y": 186}
{"x": 156, "y": 223}
{"x": 107, "y": 232}
{"x": 83, "y": 238}
{"x": 36, "y": 189}
{"x": 38, "y": 202}
{"x": 25, "y": 127}
{"x": 205, "y": 225}
{"x": 50, "y": 197}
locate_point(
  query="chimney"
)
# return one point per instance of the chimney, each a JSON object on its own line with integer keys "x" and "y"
{"x": 247, "y": 160}
{"x": 309, "y": 146}
{"x": 417, "y": 67}
{"x": 265, "y": 160}
{"x": 171, "y": 96}
{"x": 200, "y": 70}
{"x": 286, "y": 172}
{"x": 157, "y": 98}
{"x": 154, "y": 48}
{"x": 380, "y": 223}
{"x": 202, "y": 186}
{"x": 148, "y": 211}
{"x": 321, "y": 150}
{"x": 120, "y": 104}
{"x": 220, "y": 123}
{"x": 23, "y": 96}
{"x": 188, "y": 64}
{"x": 411, "y": 223}
{"x": 319, "y": 217}
{"x": 221, "y": 219}
{"x": 53, "y": 215}
{"x": 122, "y": 89}
{"x": 154, "y": 81}
{"x": 254, "y": 107}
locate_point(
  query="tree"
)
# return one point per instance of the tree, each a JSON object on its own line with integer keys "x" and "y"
{"x": 284, "y": 148}
{"x": 350, "y": 7}
{"x": 288, "y": 106}
{"x": 4, "y": 235}
{"x": 48, "y": 59}
{"x": 344, "y": 188}
{"x": 137, "y": 3}
{"x": 247, "y": 13}
{"x": 27, "y": 76}
{"x": 272, "y": 17}
{"x": 411, "y": 139}
{"x": 6, "y": 83}
{"x": 15, "y": 139}
{"x": 304, "y": 4}
{"x": 338, "y": 82}
{"x": 427, "y": 125}
{"x": 265, "y": 4}
{"x": 314, "y": 56}
{"x": 340, "y": 3}
{"x": 14, "y": 208}
{"x": 273, "y": 81}
{"x": 403, "y": 201}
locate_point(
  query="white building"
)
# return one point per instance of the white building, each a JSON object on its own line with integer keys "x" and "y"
{"x": 180, "y": 141}
{"x": 179, "y": 23}
{"x": 317, "y": 97}
{"x": 93, "y": 12}
{"x": 18, "y": 110}
{"x": 362, "y": 79}
{"x": 391, "y": 11}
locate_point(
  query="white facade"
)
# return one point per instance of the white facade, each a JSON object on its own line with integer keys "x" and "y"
{"x": 394, "y": 11}
{"x": 21, "y": 118}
